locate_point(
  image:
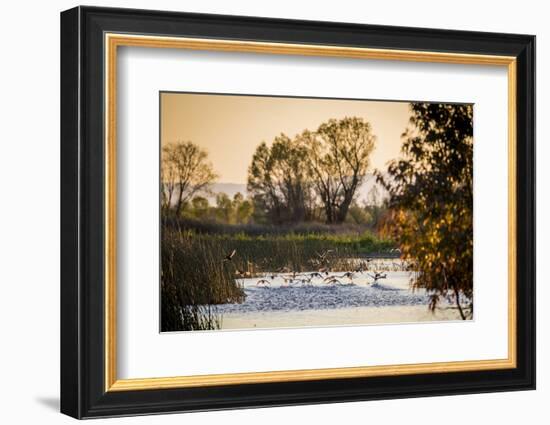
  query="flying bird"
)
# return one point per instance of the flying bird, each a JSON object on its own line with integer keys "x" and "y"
{"x": 230, "y": 256}
{"x": 377, "y": 276}
{"x": 349, "y": 275}
{"x": 324, "y": 254}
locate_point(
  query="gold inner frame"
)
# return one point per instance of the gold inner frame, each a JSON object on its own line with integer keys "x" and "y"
{"x": 113, "y": 41}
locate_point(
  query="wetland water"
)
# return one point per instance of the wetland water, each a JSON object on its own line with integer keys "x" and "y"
{"x": 275, "y": 301}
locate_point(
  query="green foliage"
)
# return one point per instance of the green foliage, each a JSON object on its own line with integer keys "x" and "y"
{"x": 227, "y": 211}
{"x": 278, "y": 181}
{"x": 359, "y": 215}
{"x": 233, "y": 211}
{"x": 224, "y": 208}
{"x": 431, "y": 199}
{"x": 244, "y": 209}
{"x": 371, "y": 213}
{"x": 200, "y": 207}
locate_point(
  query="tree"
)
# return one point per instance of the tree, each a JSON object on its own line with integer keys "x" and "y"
{"x": 261, "y": 185}
{"x": 243, "y": 208}
{"x": 233, "y": 211}
{"x": 200, "y": 207}
{"x": 338, "y": 159}
{"x": 287, "y": 179}
{"x": 186, "y": 172}
{"x": 278, "y": 181}
{"x": 224, "y": 208}
{"x": 431, "y": 200}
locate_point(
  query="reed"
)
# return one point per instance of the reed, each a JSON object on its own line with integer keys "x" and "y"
{"x": 193, "y": 281}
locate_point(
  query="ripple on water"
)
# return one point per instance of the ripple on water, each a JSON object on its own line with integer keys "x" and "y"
{"x": 281, "y": 298}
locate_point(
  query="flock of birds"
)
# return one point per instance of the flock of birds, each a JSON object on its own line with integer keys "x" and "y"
{"x": 323, "y": 274}
{"x": 306, "y": 279}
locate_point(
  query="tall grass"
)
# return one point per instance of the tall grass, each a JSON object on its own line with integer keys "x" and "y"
{"x": 193, "y": 280}
{"x": 254, "y": 229}
{"x": 296, "y": 252}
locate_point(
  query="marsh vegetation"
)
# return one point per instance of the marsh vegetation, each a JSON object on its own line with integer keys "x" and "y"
{"x": 195, "y": 277}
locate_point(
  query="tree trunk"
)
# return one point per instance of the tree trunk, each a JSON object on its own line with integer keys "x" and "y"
{"x": 328, "y": 207}
{"x": 457, "y": 298}
{"x": 344, "y": 207}
{"x": 180, "y": 200}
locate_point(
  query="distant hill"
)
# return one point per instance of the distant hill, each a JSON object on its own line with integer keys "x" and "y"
{"x": 232, "y": 188}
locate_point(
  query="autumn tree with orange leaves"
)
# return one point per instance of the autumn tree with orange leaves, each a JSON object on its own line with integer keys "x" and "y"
{"x": 431, "y": 201}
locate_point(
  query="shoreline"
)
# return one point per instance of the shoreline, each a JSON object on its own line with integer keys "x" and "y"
{"x": 353, "y": 316}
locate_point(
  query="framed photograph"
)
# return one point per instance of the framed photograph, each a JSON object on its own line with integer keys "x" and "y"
{"x": 261, "y": 212}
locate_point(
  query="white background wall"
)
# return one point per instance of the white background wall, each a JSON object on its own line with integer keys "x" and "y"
{"x": 29, "y": 211}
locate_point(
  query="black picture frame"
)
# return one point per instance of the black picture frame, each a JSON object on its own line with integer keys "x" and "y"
{"x": 83, "y": 392}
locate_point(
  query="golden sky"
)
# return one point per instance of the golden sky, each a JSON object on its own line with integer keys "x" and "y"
{"x": 230, "y": 127}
